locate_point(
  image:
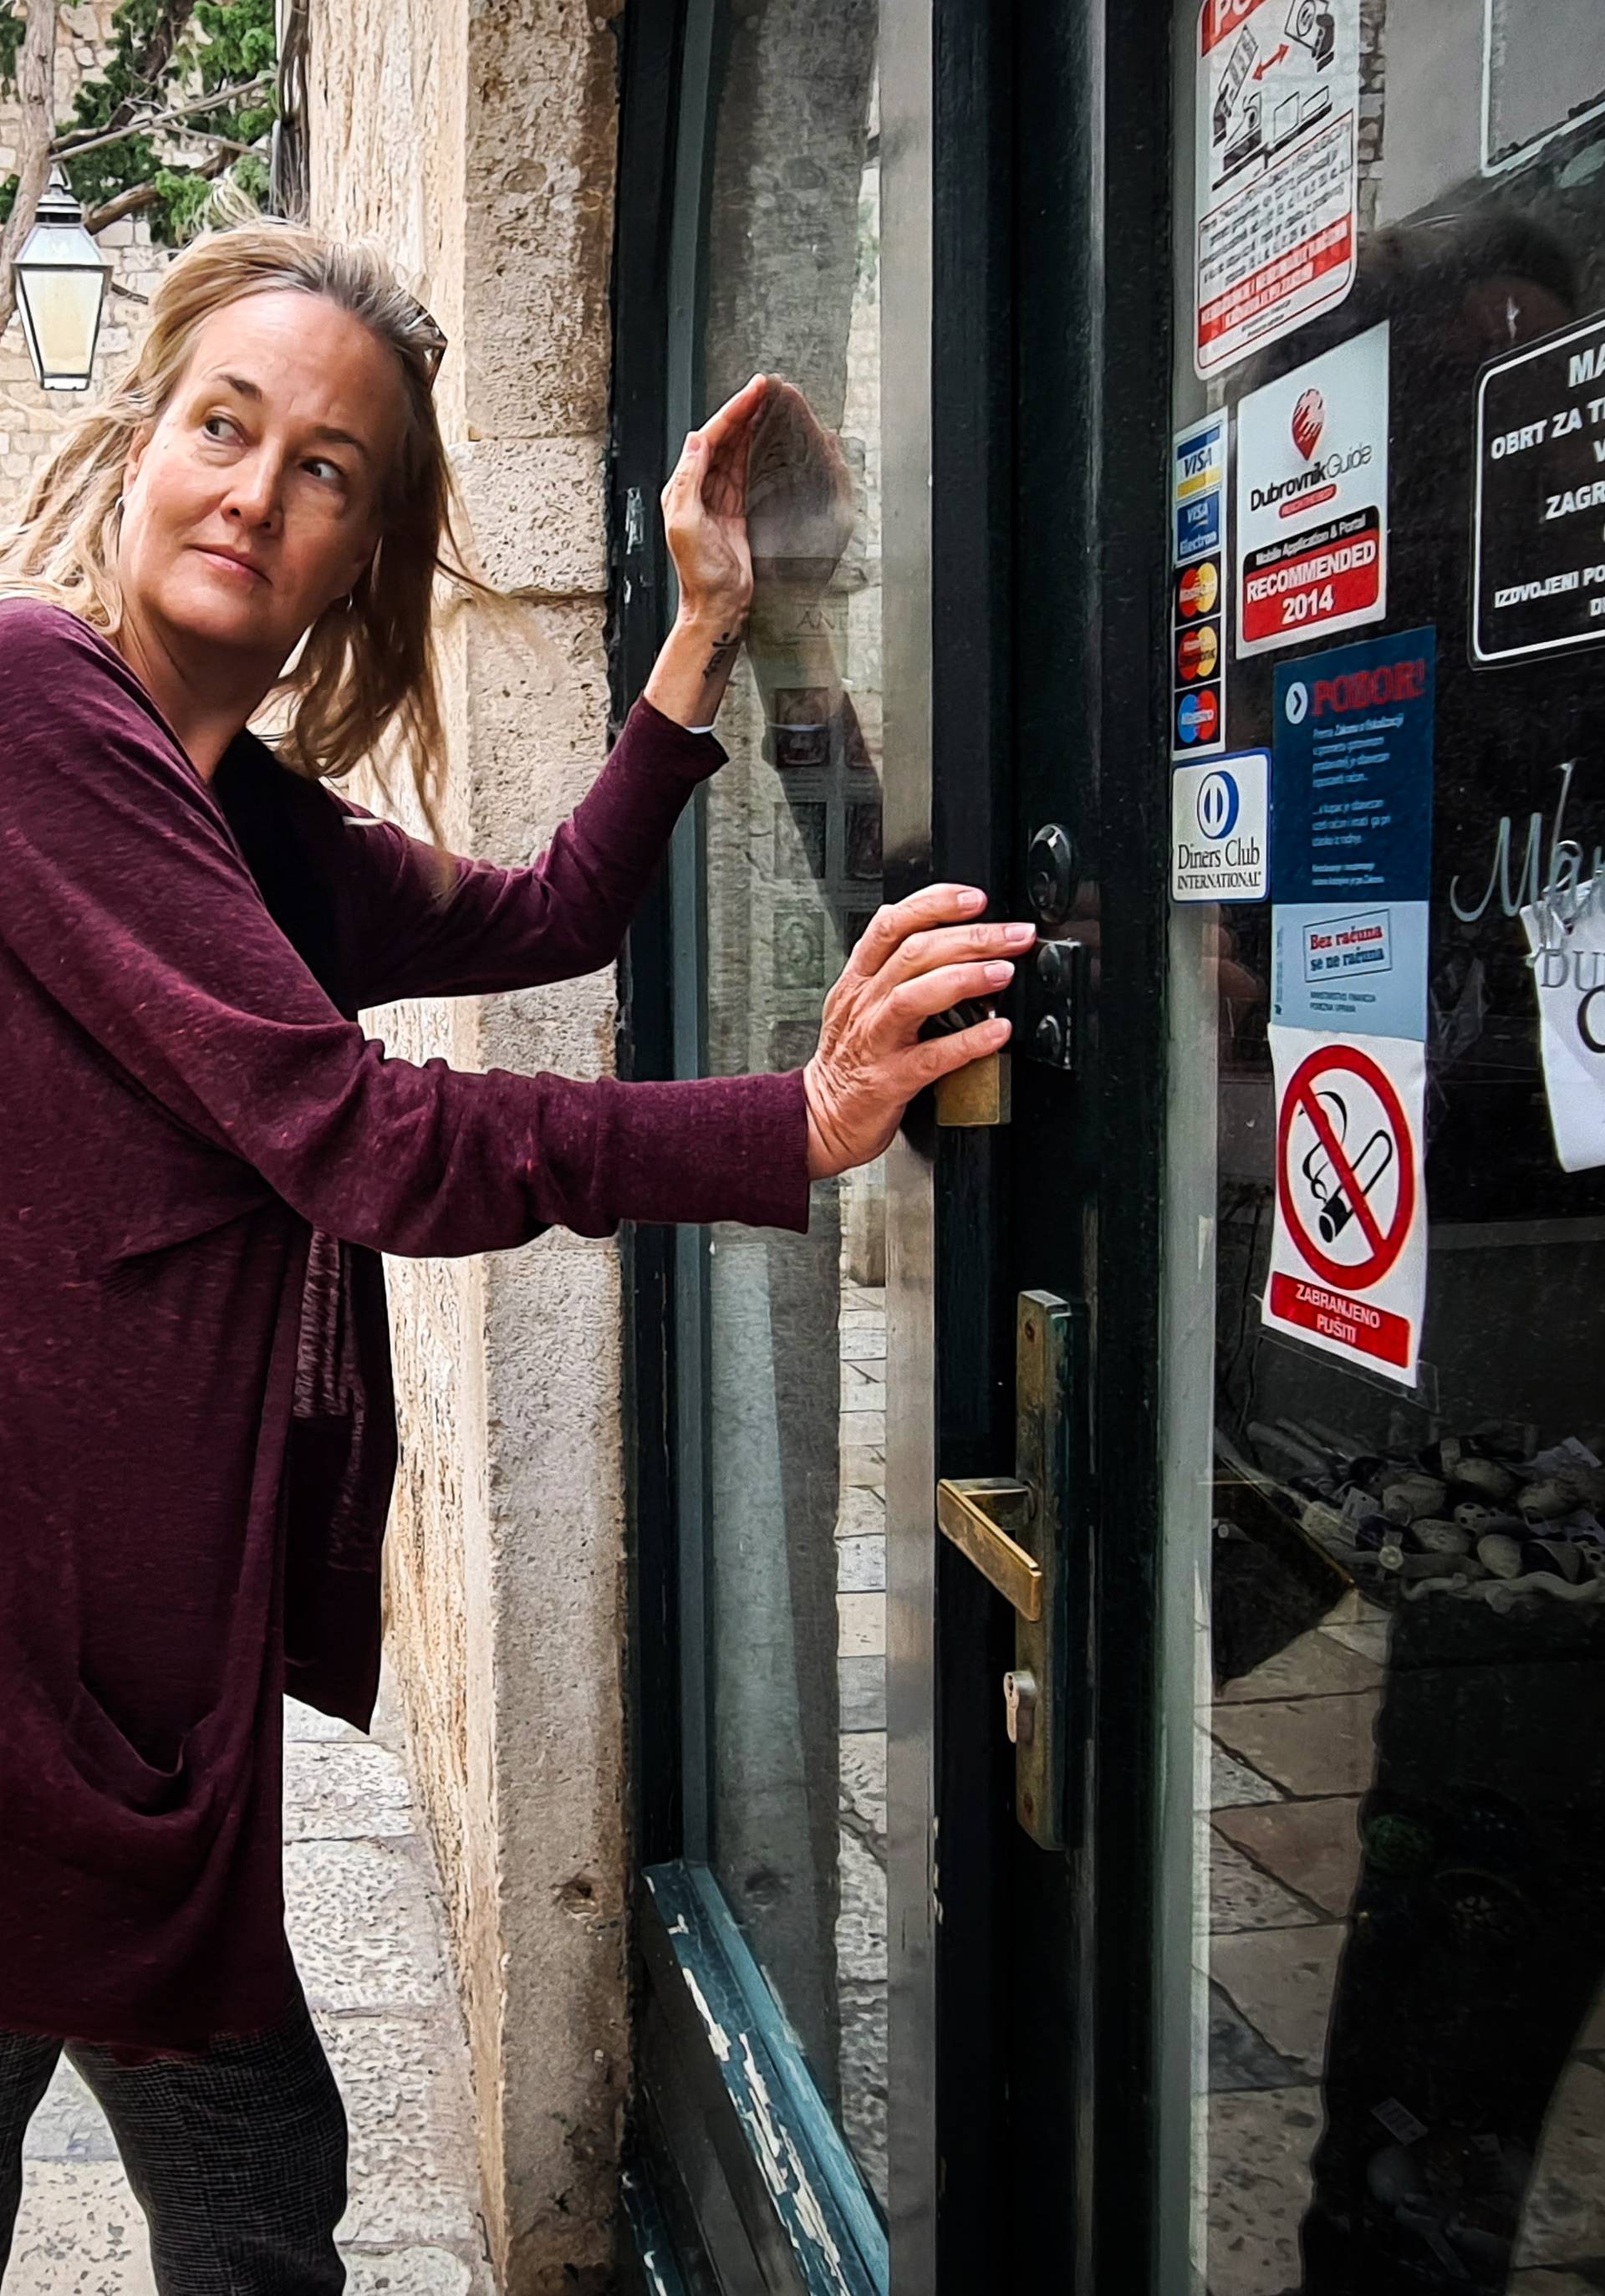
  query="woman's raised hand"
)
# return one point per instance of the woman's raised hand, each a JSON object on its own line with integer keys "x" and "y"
{"x": 915, "y": 958}
{"x": 705, "y": 514}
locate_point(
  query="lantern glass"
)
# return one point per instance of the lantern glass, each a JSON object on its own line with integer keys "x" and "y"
{"x": 61, "y": 282}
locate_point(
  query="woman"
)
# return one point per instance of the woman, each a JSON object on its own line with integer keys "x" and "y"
{"x": 201, "y": 1156}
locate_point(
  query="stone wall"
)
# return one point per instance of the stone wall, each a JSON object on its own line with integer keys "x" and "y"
{"x": 32, "y": 421}
{"x": 478, "y": 140}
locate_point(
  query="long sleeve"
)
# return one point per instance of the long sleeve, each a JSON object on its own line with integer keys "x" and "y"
{"x": 431, "y": 925}
{"x": 124, "y": 896}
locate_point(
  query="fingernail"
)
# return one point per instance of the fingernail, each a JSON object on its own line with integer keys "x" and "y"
{"x": 998, "y": 974}
{"x": 998, "y": 1031}
{"x": 1020, "y": 936}
{"x": 970, "y": 897}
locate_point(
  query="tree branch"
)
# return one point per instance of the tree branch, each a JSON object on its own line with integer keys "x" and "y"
{"x": 155, "y": 56}
{"x": 36, "y": 99}
{"x": 73, "y": 146}
{"x": 145, "y": 195}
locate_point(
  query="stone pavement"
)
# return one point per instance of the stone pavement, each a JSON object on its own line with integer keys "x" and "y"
{"x": 1288, "y": 1749}
{"x": 365, "y": 1922}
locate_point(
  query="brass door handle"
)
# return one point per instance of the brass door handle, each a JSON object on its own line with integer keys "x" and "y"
{"x": 973, "y": 1510}
{"x": 1017, "y": 1530}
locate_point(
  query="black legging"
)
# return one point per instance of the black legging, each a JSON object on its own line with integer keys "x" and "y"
{"x": 238, "y": 2159}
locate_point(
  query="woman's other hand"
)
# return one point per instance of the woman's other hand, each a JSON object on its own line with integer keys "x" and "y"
{"x": 705, "y": 520}
{"x": 915, "y": 958}
{"x": 705, "y": 512}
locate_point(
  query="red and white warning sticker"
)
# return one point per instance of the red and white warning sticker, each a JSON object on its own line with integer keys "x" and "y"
{"x": 1277, "y": 143}
{"x": 1349, "y": 1250}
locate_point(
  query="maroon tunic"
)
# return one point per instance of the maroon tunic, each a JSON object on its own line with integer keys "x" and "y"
{"x": 185, "y": 1099}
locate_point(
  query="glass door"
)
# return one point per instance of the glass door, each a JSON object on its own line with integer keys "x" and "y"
{"x": 761, "y": 1358}
{"x": 1379, "y": 1893}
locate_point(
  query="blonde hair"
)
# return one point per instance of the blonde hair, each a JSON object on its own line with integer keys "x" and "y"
{"x": 363, "y": 669}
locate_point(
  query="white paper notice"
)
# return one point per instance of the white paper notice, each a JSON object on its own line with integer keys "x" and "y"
{"x": 1278, "y": 118}
{"x": 1568, "y": 969}
{"x": 1349, "y": 1250}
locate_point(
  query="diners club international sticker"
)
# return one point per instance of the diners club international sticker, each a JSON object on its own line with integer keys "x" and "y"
{"x": 1348, "y": 1249}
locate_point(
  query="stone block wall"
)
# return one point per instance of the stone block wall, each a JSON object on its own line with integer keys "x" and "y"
{"x": 478, "y": 141}
{"x": 32, "y": 421}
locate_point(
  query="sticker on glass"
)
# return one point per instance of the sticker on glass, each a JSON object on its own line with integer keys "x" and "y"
{"x": 1348, "y": 1248}
{"x": 1220, "y": 829}
{"x": 1277, "y": 141}
{"x": 1538, "y": 572}
{"x": 1198, "y": 589}
{"x": 1312, "y": 498}
{"x": 1351, "y": 859}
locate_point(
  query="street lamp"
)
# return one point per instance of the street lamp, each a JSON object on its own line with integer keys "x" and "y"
{"x": 60, "y": 281}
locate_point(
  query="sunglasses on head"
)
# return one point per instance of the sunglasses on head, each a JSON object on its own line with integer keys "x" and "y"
{"x": 431, "y": 341}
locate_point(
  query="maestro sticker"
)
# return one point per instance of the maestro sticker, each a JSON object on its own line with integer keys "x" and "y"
{"x": 1277, "y": 92}
{"x": 1220, "y": 829}
{"x": 1348, "y": 1248}
{"x": 1312, "y": 498}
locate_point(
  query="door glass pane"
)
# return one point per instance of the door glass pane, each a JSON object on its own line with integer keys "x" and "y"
{"x": 796, "y": 1327}
{"x": 1385, "y": 1938}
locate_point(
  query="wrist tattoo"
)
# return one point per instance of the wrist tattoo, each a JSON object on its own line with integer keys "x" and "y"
{"x": 724, "y": 645}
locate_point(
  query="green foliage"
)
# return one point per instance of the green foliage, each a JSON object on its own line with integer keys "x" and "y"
{"x": 10, "y": 40}
{"x": 196, "y": 49}
{"x": 165, "y": 53}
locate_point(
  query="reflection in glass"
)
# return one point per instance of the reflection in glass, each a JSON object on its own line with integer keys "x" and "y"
{"x": 796, "y": 1326}
{"x": 1397, "y": 2064}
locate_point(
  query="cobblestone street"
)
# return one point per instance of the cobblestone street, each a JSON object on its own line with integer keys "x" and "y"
{"x": 365, "y": 1924}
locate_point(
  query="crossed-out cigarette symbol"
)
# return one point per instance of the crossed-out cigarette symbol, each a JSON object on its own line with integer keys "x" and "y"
{"x": 1335, "y": 1196}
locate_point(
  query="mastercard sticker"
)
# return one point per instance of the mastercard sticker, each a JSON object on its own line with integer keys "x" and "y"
{"x": 1198, "y": 589}
{"x": 1198, "y": 652}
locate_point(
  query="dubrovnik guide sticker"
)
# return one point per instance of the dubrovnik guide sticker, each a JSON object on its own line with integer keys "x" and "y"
{"x": 1278, "y": 87}
{"x": 1348, "y": 1248}
{"x": 1312, "y": 498}
{"x": 1538, "y": 530}
{"x": 1220, "y": 829}
{"x": 1198, "y": 589}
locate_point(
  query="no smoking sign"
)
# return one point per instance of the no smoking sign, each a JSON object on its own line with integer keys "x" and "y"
{"x": 1348, "y": 1258}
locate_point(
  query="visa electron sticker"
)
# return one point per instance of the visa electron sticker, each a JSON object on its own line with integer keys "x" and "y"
{"x": 1277, "y": 141}
{"x": 1312, "y": 498}
{"x": 1220, "y": 840}
{"x": 1198, "y": 589}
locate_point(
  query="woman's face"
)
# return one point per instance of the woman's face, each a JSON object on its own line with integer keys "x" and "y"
{"x": 254, "y": 502}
